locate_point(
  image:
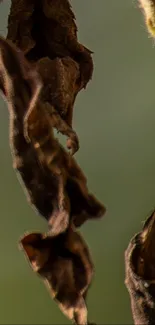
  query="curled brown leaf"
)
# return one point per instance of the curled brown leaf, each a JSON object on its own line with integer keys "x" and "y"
{"x": 65, "y": 265}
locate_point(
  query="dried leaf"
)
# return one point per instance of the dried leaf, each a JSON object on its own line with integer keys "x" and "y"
{"x": 65, "y": 265}
{"x": 140, "y": 273}
{"x": 46, "y": 32}
{"x": 55, "y": 184}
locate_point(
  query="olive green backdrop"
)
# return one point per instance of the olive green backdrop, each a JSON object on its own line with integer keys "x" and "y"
{"x": 115, "y": 120}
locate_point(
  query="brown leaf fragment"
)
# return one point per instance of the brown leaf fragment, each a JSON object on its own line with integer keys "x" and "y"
{"x": 60, "y": 78}
{"x": 140, "y": 273}
{"x": 65, "y": 265}
{"x": 47, "y": 28}
{"x": 54, "y": 183}
{"x": 20, "y": 24}
{"x": 46, "y": 32}
{"x": 58, "y": 92}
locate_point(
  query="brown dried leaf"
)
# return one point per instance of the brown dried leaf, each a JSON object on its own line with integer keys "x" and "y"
{"x": 65, "y": 265}
{"x": 47, "y": 30}
{"x": 55, "y": 184}
{"x": 140, "y": 273}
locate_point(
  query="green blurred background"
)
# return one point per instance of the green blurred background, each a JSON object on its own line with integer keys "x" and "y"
{"x": 115, "y": 120}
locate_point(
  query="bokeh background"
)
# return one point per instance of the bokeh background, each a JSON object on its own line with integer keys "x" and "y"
{"x": 115, "y": 120}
